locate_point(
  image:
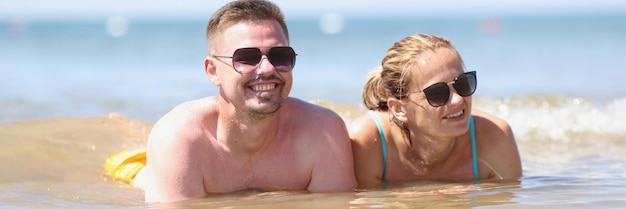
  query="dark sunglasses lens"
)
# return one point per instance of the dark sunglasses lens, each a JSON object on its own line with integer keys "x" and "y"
{"x": 465, "y": 84}
{"x": 283, "y": 58}
{"x": 437, "y": 94}
{"x": 247, "y": 56}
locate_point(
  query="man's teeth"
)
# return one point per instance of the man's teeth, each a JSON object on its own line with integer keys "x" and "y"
{"x": 455, "y": 114}
{"x": 264, "y": 87}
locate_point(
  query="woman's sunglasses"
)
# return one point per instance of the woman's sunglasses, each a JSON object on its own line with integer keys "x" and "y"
{"x": 438, "y": 94}
{"x": 246, "y": 60}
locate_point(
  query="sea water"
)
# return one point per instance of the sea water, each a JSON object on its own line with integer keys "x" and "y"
{"x": 558, "y": 80}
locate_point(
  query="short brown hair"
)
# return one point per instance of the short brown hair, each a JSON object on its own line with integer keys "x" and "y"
{"x": 243, "y": 10}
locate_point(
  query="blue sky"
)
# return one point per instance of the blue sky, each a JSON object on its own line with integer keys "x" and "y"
{"x": 295, "y": 8}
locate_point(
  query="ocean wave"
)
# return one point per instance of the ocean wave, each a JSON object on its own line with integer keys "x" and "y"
{"x": 565, "y": 119}
{"x": 532, "y": 118}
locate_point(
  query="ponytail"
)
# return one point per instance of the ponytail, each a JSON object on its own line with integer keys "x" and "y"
{"x": 373, "y": 92}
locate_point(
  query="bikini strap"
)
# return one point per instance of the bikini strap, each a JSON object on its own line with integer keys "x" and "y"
{"x": 382, "y": 140}
{"x": 474, "y": 152}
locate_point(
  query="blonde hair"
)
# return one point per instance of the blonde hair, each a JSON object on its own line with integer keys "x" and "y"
{"x": 393, "y": 77}
{"x": 240, "y": 11}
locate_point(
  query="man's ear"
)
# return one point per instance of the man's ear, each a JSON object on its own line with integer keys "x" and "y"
{"x": 397, "y": 109}
{"x": 211, "y": 71}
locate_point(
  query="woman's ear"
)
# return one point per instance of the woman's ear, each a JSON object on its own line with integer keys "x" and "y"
{"x": 211, "y": 71}
{"x": 397, "y": 109}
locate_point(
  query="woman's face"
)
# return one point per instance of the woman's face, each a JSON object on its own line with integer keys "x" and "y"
{"x": 448, "y": 120}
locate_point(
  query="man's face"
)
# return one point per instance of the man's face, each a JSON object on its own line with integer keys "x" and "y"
{"x": 261, "y": 92}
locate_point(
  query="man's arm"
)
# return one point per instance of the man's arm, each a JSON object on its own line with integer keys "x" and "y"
{"x": 334, "y": 169}
{"x": 173, "y": 172}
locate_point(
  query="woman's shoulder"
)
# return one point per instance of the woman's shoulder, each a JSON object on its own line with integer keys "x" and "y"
{"x": 497, "y": 146}
{"x": 365, "y": 129}
{"x": 489, "y": 122}
{"x": 493, "y": 131}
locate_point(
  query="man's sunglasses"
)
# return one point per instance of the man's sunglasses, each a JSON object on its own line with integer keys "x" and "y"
{"x": 246, "y": 60}
{"x": 438, "y": 94}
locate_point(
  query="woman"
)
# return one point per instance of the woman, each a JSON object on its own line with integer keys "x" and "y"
{"x": 421, "y": 124}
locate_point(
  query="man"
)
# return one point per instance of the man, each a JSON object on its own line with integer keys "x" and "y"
{"x": 251, "y": 135}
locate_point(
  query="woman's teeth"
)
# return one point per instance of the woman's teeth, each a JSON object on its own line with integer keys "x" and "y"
{"x": 455, "y": 115}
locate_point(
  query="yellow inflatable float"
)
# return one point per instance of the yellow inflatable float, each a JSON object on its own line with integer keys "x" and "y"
{"x": 125, "y": 165}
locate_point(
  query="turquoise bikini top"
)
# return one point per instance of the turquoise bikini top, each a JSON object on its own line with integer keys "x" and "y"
{"x": 384, "y": 145}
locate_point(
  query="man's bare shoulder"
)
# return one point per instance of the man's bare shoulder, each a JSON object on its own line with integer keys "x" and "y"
{"x": 186, "y": 121}
{"x": 321, "y": 138}
{"x": 312, "y": 120}
{"x": 302, "y": 110}
{"x": 190, "y": 112}
{"x": 176, "y": 148}
{"x": 180, "y": 133}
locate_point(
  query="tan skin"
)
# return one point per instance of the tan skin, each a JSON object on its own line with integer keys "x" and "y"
{"x": 223, "y": 144}
{"x": 440, "y": 147}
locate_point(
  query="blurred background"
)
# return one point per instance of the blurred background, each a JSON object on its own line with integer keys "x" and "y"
{"x": 70, "y": 58}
